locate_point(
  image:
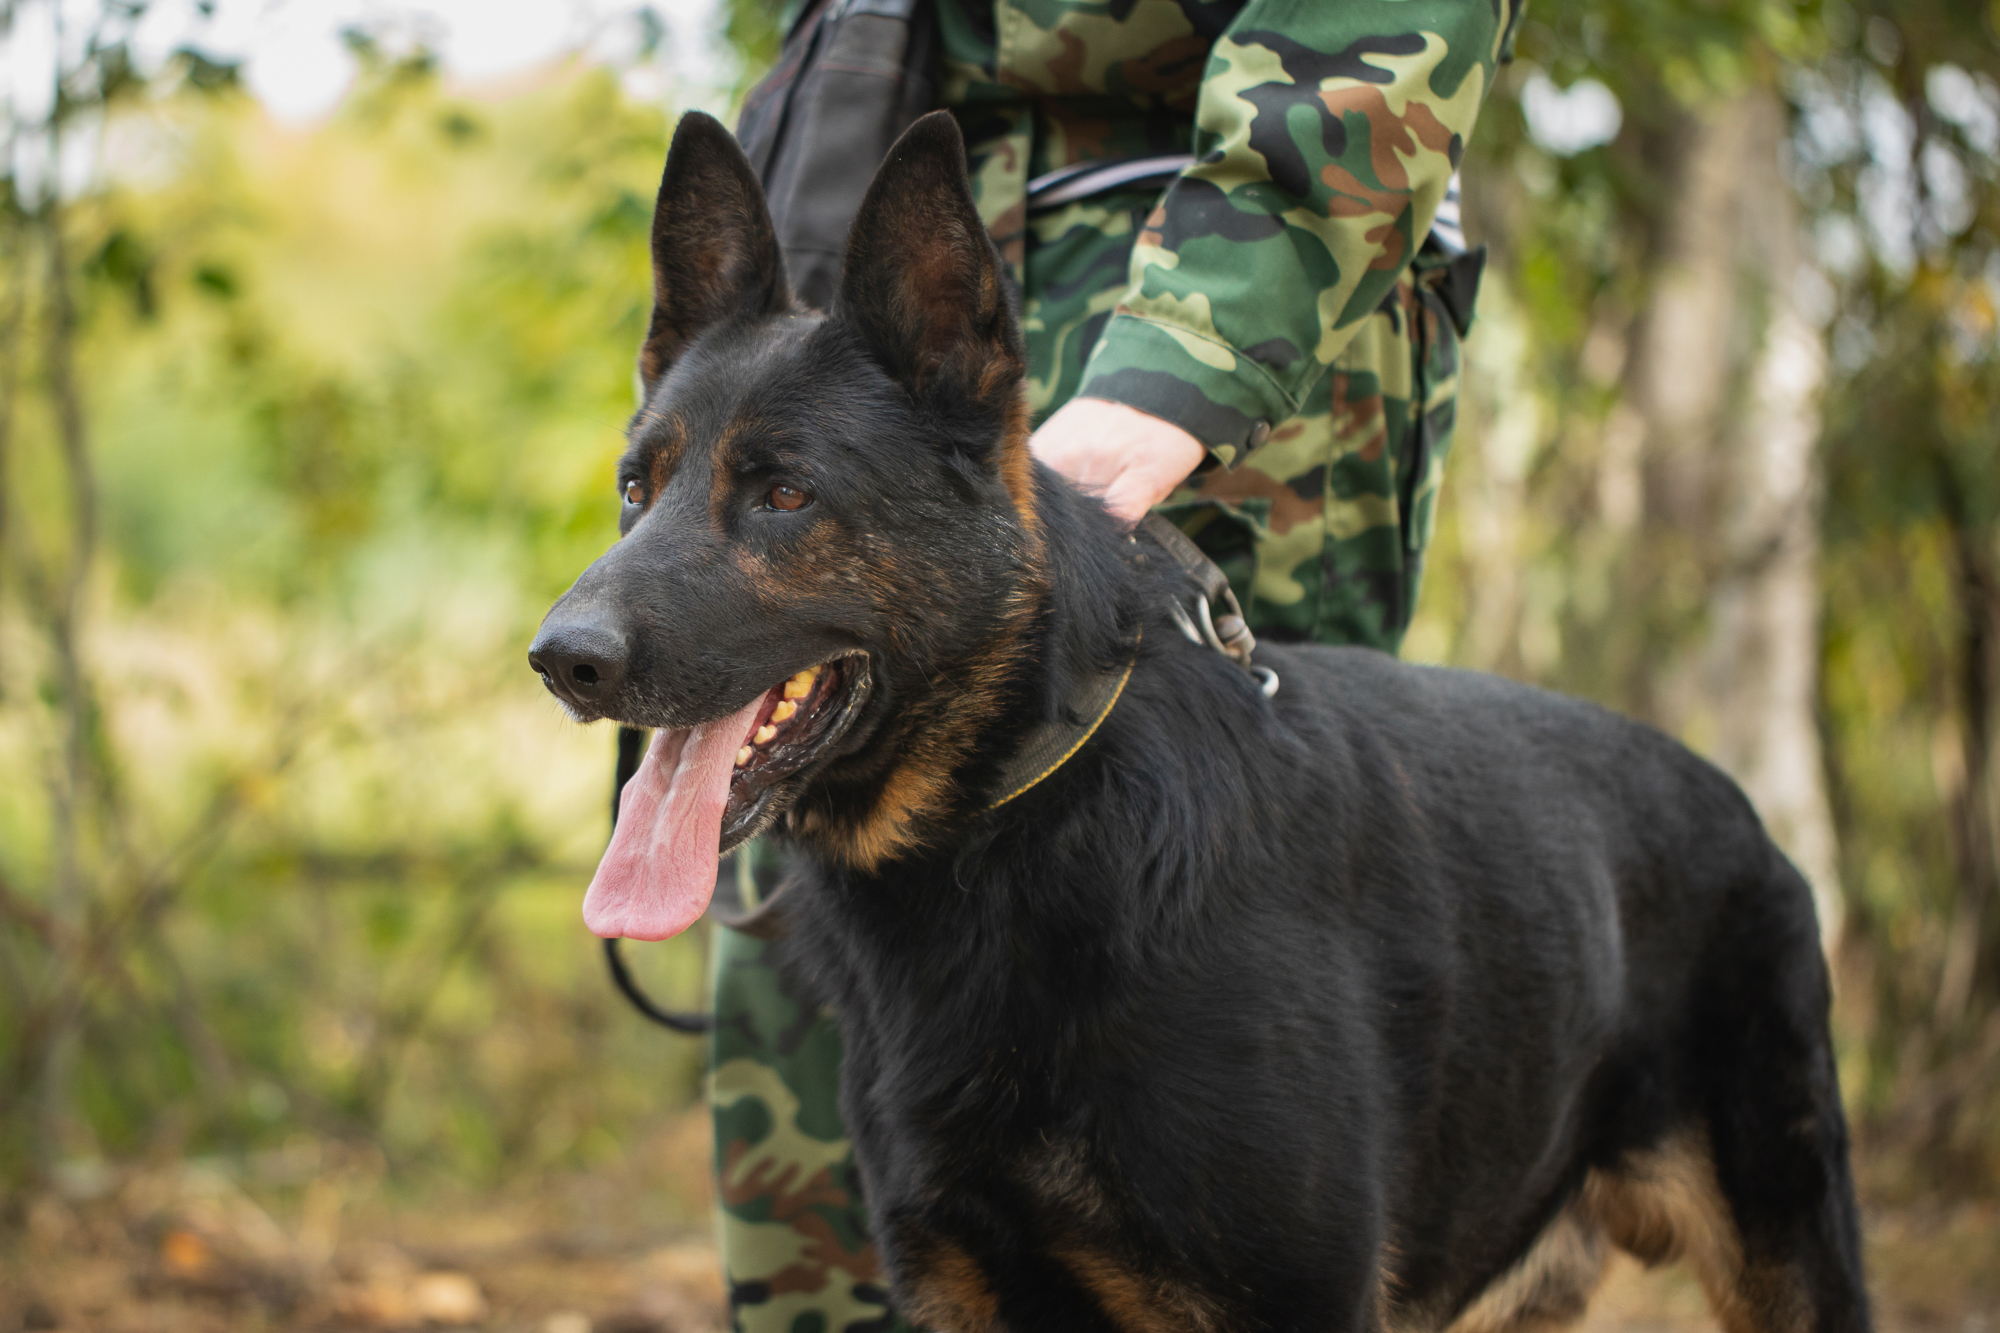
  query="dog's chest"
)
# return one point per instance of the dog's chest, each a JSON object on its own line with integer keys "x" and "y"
{"x": 973, "y": 1075}
{"x": 982, "y": 1182}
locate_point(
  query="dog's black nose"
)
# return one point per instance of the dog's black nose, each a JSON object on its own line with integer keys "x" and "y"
{"x": 578, "y": 661}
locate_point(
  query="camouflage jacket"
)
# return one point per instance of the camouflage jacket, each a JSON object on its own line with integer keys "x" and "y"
{"x": 1324, "y": 135}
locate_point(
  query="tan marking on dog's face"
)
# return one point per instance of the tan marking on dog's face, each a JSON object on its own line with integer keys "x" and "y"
{"x": 945, "y": 1289}
{"x": 722, "y": 457}
{"x": 919, "y": 789}
{"x": 938, "y": 736}
{"x": 669, "y": 447}
{"x": 754, "y": 568}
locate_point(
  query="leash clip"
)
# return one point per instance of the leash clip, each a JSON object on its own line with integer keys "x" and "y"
{"x": 1228, "y": 634}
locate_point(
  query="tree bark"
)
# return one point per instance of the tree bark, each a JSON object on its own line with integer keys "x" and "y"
{"x": 1725, "y": 380}
{"x": 1762, "y": 659}
{"x": 1975, "y": 805}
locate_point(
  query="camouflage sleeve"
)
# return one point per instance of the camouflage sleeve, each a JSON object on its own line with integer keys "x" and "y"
{"x": 1326, "y": 133}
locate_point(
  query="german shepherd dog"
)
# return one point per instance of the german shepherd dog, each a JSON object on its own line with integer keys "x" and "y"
{"x": 1390, "y": 1002}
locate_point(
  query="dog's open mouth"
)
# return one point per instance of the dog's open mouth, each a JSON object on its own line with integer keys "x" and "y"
{"x": 702, "y": 790}
{"x": 795, "y": 723}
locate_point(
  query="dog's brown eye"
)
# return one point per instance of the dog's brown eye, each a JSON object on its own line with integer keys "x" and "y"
{"x": 634, "y": 492}
{"x": 787, "y": 497}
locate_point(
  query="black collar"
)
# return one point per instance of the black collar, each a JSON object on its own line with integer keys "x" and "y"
{"x": 1049, "y": 746}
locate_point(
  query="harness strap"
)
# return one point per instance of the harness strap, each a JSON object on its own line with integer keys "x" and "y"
{"x": 1081, "y": 180}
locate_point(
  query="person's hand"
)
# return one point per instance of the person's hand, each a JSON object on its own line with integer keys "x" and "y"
{"x": 1130, "y": 459}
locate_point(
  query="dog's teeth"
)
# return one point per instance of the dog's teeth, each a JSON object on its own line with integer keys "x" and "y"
{"x": 799, "y": 686}
{"x": 765, "y": 733}
{"x": 784, "y": 711}
{"x": 743, "y": 756}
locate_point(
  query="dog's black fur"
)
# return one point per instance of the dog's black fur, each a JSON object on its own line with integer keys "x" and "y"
{"x": 1384, "y": 1003}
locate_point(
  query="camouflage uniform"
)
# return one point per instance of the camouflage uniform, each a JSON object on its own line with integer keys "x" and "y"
{"x": 1273, "y": 302}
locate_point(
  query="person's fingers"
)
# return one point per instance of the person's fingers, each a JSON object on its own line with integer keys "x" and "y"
{"x": 1130, "y": 459}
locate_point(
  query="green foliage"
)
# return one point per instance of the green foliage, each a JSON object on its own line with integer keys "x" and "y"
{"x": 755, "y": 28}
{"x": 354, "y": 397}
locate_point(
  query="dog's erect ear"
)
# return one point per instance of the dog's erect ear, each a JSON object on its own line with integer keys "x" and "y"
{"x": 714, "y": 253}
{"x": 922, "y": 281}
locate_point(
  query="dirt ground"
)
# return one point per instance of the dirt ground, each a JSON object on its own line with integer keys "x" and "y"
{"x": 318, "y": 1243}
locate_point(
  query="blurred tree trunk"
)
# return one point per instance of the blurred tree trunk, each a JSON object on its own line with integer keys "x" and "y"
{"x": 60, "y": 606}
{"x": 1763, "y": 653}
{"x": 1974, "y": 801}
{"x": 1721, "y": 414}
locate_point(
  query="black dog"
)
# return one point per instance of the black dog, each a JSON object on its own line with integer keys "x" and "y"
{"x": 1390, "y": 1002}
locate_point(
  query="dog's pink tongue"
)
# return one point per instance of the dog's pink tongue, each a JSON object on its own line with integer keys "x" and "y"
{"x": 659, "y": 872}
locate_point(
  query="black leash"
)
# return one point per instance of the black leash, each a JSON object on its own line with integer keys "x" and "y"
{"x": 694, "y": 1025}
{"x": 631, "y": 748}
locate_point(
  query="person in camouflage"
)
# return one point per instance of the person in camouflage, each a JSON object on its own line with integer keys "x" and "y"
{"x": 1275, "y": 340}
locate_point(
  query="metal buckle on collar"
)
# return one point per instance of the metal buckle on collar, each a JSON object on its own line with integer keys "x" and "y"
{"x": 1228, "y": 634}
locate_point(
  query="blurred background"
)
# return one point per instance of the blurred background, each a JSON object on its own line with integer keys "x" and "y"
{"x": 316, "y": 332}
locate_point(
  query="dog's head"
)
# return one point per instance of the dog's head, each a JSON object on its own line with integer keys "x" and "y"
{"x": 823, "y": 513}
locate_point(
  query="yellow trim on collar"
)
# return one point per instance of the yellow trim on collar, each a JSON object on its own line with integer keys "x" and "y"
{"x": 1089, "y": 731}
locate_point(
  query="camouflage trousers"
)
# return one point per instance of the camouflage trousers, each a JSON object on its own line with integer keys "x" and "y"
{"x": 1322, "y": 531}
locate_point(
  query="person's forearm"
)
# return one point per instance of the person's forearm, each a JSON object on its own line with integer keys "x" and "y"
{"x": 1327, "y": 135}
